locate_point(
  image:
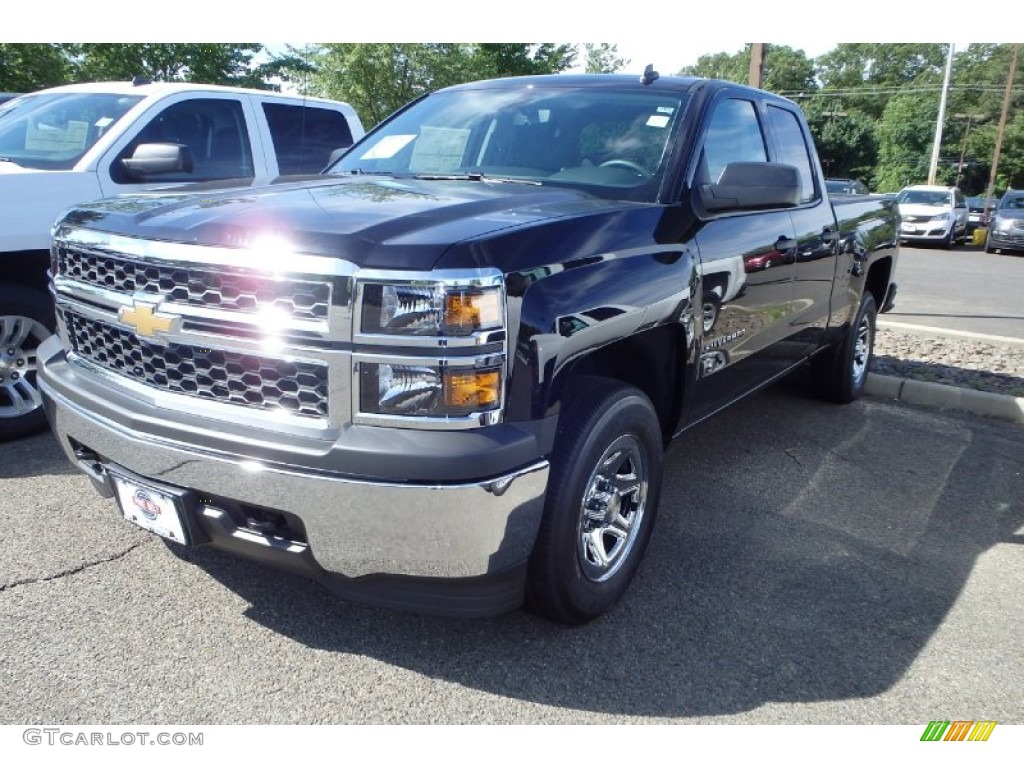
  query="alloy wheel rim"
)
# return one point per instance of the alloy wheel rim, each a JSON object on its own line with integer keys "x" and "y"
{"x": 612, "y": 509}
{"x": 19, "y": 338}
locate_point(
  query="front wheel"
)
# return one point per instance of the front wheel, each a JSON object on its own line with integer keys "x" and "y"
{"x": 602, "y": 497}
{"x": 26, "y": 320}
{"x": 840, "y": 373}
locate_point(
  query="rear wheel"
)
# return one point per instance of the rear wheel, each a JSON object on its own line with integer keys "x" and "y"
{"x": 26, "y": 320}
{"x": 602, "y": 498}
{"x": 840, "y": 373}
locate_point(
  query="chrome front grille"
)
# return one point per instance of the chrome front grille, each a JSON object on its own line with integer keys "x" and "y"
{"x": 255, "y": 381}
{"x": 194, "y": 285}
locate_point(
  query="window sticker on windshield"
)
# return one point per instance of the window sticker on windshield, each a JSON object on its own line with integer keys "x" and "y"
{"x": 439, "y": 150}
{"x": 666, "y": 110}
{"x": 657, "y": 121}
{"x": 70, "y": 137}
{"x": 387, "y": 147}
{"x": 103, "y": 122}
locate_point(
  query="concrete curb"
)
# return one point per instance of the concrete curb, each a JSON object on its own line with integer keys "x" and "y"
{"x": 946, "y": 397}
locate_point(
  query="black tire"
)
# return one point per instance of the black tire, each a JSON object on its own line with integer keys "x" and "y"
{"x": 26, "y": 320}
{"x": 840, "y": 373}
{"x": 603, "y": 489}
{"x": 949, "y": 240}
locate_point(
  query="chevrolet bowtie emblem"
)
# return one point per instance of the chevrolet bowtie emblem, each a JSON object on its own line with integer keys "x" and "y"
{"x": 146, "y": 321}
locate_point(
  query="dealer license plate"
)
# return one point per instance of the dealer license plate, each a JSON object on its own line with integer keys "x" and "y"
{"x": 909, "y": 228}
{"x": 151, "y": 509}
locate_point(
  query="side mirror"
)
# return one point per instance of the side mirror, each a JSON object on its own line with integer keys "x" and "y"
{"x": 154, "y": 159}
{"x": 752, "y": 186}
{"x": 336, "y": 155}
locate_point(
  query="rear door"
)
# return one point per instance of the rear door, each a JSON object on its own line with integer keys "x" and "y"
{"x": 813, "y": 268}
{"x": 302, "y": 135}
{"x": 746, "y": 262}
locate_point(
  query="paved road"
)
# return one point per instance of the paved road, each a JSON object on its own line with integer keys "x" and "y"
{"x": 964, "y": 289}
{"x": 813, "y": 564}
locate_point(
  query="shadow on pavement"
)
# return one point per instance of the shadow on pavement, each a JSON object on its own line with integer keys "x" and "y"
{"x": 34, "y": 456}
{"x": 804, "y": 552}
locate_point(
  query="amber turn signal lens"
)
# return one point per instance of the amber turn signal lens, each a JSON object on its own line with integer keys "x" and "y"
{"x": 468, "y": 312}
{"x": 473, "y": 390}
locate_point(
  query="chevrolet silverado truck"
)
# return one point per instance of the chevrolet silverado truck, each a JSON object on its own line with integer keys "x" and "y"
{"x": 61, "y": 146}
{"x": 443, "y": 375}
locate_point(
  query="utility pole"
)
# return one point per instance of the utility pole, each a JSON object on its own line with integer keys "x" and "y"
{"x": 756, "y": 76}
{"x": 1002, "y": 123}
{"x": 934, "y": 167}
{"x": 963, "y": 148}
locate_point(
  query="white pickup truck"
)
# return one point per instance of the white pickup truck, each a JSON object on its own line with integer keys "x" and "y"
{"x": 75, "y": 143}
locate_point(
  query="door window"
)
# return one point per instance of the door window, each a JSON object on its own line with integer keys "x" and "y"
{"x": 793, "y": 148}
{"x": 734, "y": 135}
{"x": 215, "y": 132}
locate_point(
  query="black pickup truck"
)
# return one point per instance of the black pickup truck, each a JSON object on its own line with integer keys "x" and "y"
{"x": 442, "y": 376}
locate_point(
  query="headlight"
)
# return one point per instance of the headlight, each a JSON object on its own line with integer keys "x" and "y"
{"x": 940, "y": 217}
{"x": 1002, "y": 224}
{"x": 428, "y": 390}
{"x": 430, "y": 310}
{"x": 447, "y": 364}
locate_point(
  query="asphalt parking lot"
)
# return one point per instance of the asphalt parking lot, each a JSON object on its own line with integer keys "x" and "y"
{"x": 811, "y": 564}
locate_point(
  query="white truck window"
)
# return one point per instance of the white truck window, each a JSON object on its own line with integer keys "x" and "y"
{"x": 213, "y": 129}
{"x": 304, "y": 137}
{"x": 52, "y": 131}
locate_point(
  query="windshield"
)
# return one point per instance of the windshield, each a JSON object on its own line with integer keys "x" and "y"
{"x": 924, "y": 197}
{"x": 53, "y": 130}
{"x": 1012, "y": 203}
{"x": 611, "y": 143}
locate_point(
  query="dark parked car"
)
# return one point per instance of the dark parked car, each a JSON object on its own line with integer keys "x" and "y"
{"x": 8, "y": 96}
{"x": 979, "y": 209}
{"x": 1006, "y": 225}
{"x": 846, "y": 187}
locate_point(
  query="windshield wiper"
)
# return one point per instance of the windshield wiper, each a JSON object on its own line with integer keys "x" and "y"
{"x": 475, "y": 177}
{"x": 364, "y": 172}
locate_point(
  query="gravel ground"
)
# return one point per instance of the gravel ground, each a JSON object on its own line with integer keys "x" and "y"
{"x": 950, "y": 360}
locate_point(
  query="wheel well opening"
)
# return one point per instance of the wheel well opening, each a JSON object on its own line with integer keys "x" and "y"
{"x": 649, "y": 361}
{"x": 877, "y": 282}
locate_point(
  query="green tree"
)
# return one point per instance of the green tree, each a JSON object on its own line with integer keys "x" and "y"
{"x": 513, "y": 59}
{"x": 378, "y": 78}
{"x": 603, "y": 58}
{"x": 785, "y": 69}
{"x": 28, "y": 67}
{"x": 214, "y": 63}
{"x": 905, "y": 134}
{"x": 845, "y": 140}
{"x": 867, "y": 75}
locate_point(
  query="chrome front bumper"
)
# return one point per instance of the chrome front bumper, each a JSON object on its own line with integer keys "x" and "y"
{"x": 354, "y": 528}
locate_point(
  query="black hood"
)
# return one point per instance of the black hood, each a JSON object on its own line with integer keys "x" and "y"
{"x": 377, "y": 222}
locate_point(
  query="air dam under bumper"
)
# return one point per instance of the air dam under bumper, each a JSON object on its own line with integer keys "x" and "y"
{"x": 458, "y": 549}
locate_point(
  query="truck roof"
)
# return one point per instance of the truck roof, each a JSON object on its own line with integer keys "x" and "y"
{"x": 665, "y": 82}
{"x": 160, "y": 88}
